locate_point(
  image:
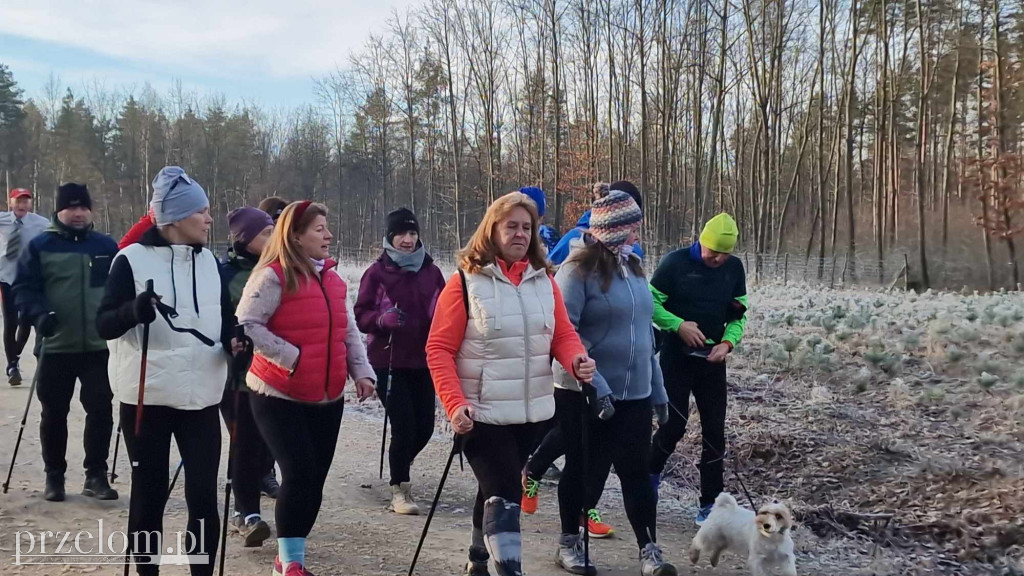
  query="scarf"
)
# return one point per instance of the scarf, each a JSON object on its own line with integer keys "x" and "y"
{"x": 319, "y": 265}
{"x": 406, "y": 262}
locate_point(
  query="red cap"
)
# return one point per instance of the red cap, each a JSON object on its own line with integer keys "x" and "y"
{"x": 21, "y": 193}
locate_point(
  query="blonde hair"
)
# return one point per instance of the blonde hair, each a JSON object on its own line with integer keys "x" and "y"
{"x": 283, "y": 247}
{"x": 481, "y": 250}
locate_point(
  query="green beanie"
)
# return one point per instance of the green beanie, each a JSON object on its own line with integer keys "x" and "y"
{"x": 720, "y": 234}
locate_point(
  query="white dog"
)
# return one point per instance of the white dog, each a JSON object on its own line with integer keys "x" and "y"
{"x": 763, "y": 538}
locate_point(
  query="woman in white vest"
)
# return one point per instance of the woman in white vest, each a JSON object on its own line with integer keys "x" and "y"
{"x": 498, "y": 323}
{"x": 184, "y": 375}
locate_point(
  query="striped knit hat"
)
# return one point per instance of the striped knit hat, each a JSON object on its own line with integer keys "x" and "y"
{"x": 613, "y": 217}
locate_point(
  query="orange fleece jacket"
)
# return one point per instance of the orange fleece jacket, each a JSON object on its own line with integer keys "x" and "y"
{"x": 449, "y": 328}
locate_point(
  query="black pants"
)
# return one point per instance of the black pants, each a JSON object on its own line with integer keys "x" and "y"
{"x": 197, "y": 434}
{"x": 549, "y": 450}
{"x": 497, "y": 455}
{"x": 16, "y": 327}
{"x": 410, "y": 406}
{"x": 624, "y": 440}
{"x": 302, "y": 438}
{"x": 685, "y": 375}
{"x": 251, "y": 460}
{"x": 55, "y": 388}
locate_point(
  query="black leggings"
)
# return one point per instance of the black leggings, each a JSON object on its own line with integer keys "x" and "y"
{"x": 302, "y": 438}
{"x": 624, "y": 440}
{"x": 16, "y": 326}
{"x": 58, "y": 374}
{"x": 410, "y": 405}
{"x": 551, "y": 447}
{"x": 707, "y": 382}
{"x": 251, "y": 459}
{"x": 197, "y": 434}
{"x": 497, "y": 454}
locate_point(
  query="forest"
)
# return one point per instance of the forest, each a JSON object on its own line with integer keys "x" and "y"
{"x": 876, "y": 131}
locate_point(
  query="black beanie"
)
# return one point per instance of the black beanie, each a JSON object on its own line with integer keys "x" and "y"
{"x": 71, "y": 194}
{"x": 400, "y": 221}
{"x": 629, "y": 188}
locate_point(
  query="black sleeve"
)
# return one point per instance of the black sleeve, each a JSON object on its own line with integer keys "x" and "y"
{"x": 740, "y": 289}
{"x": 227, "y": 317}
{"x": 116, "y": 314}
{"x": 30, "y": 285}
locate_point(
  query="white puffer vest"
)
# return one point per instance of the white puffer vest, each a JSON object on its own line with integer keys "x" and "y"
{"x": 181, "y": 371}
{"x": 504, "y": 362}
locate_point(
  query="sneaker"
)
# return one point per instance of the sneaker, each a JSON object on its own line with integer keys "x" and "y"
{"x": 652, "y": 564}
{"x": 97, "y": 487}
{"x": 269, "y": 485}
{"x": 54, "y": 491}
{"x": 293, "y": 569}
{"x": 13, "y": 374}
{"x": 597, "y": 528}
{"x": 401, "y": 500}
{"x": 572, "y": 555}
{"x": 237, "y": 521}
{"x": 530, "y": 489}
{"x": 477, "y": 565}
{"x": 703, "y": 513}
{"x": 254, "y": 531}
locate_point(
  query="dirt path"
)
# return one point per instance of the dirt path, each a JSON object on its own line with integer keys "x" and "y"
{"x": 355, "y": 533}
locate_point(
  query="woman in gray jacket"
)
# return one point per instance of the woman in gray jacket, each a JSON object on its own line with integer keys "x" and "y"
{"x": 610, "y": 304}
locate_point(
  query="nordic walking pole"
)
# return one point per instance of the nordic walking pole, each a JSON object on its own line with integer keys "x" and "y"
{"x": 138, "y": 423}
{"x": 117, "y": 444}
{"x": 24, "y": 417}
{"x": 584, "y": 446}
{"x": 387, "y": 401}
{"x": 242, "y": 367}
{"x": 174, "y": 479}
{"x": 456, "y": 447}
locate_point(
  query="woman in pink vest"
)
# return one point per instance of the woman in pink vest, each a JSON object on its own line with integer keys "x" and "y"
{"x": 307, "y": 345}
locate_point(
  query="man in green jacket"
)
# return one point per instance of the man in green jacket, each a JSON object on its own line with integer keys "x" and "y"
{"x": 60, "y": 282}
{"x": 700, "y": 298}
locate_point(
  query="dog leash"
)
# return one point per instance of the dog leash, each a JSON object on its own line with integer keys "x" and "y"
{"x": 735, "y": 469}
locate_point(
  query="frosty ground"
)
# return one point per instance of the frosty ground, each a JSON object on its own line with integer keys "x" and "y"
{"x": 891, "y": 423}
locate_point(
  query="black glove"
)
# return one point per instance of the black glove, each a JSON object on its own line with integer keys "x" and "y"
{"x": 143, "y": 308}
{"x": 661, "y": 412}
{"x": 605, "y": 408}
{"x": 46, "y": 325}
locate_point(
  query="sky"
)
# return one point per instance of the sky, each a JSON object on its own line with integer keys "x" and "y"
{"x": 263, "y": 51}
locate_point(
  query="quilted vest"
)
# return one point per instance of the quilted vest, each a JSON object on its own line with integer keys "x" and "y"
{"x": 181, "y": 371}
{"x": 315, "y": 320}
{"x": 504, "y": 363}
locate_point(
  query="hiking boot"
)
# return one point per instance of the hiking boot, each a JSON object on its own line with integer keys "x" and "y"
{"x": 572, "y": 555}
{"x": 269, "y": 486}
{"x": 703, "y": 513}
{"x": 596, "y": 527}
{"x": 54, "y": 491}
{"x": 477, "y": 565}
{"x": 530, "y": 489}
{"x": 402, "y": 501}
{"x": 13, "y": 374}
{"x": 652, "y": 564}
{"x": 96, "y": 486}
{"x": 254, "y": 531}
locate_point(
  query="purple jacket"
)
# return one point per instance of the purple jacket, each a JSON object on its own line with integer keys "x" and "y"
{"x": 385, "y": 285}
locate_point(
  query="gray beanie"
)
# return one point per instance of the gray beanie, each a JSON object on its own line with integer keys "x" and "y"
{"x": 176, "y": 196}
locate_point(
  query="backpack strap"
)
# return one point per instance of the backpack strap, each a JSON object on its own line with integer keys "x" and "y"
{"x": 465, "y": 292}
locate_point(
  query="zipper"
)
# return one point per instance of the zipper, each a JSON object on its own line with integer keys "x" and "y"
{"x": 88, "y": 272}
{"x": 526, "y": 350}
{"x": 632, "y": 336}
{"x": 330, "y": 332}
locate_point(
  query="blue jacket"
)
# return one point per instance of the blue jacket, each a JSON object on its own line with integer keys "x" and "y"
{"x": 560, "y": 252}
{"x": 616, "y": 329}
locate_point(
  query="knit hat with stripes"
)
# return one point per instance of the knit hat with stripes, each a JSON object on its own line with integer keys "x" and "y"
{"x": 613, "y": 217}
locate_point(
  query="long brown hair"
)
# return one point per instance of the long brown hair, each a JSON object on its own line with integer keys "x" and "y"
{"x": 596, "y": 258}
{"x": 481, "y": 250}
{"x": 283, "y": 247}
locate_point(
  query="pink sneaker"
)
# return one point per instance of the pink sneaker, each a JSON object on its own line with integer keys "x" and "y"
{"x": 294, "y": 569}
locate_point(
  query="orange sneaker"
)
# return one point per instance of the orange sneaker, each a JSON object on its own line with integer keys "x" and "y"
{"x": 530, "y": 489}
{"x": 597, "y": 528}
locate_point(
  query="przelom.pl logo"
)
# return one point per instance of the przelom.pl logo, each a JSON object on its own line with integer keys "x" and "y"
{"x": 83, "y": 547}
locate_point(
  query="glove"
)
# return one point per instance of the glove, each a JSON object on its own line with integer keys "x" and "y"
{"x": 143, "y": 308}
{"x": 661, "y": 412}
{"x": 392, "y": 319}
{"x": 605, "y": 409}
{"x": 46, "y": 325}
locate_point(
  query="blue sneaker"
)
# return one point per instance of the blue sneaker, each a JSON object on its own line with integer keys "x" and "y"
{"x": 703, "y": 513}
